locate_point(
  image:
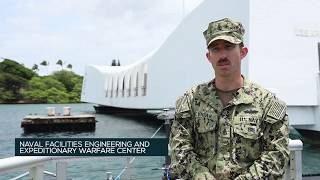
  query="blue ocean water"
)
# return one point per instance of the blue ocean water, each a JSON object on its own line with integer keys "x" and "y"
{"x": 107, "y": 126}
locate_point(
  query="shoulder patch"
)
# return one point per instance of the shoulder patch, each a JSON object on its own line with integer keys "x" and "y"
{"x": 277, "y": 109}
{"x": 182, "y": 104}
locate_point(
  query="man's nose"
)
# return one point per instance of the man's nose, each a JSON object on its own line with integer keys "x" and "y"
{"x": 223, "y": 53}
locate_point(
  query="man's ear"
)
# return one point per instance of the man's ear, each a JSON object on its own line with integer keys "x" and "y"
{"x": 208, "y": 56}
{"x": 243, "y": 52}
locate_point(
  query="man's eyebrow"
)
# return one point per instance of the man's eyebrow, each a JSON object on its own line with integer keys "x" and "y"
{"x": 213, "y": 45}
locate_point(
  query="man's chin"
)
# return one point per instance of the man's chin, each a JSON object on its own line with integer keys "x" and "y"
{"x": 223, "y": 73}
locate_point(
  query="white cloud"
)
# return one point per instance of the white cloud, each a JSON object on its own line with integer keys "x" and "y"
{"x": 82, "y": 32}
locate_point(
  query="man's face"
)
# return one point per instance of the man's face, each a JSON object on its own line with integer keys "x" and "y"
{"x": 226, "y": 57}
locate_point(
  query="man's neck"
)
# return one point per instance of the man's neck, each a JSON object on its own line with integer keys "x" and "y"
{"x": 227, "y": 84}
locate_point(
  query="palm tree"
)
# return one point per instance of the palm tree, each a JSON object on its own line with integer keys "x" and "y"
{"x": 35, "y": 67}
{"x": 46, "y": 64}
{"x": 60, "y": 62}
{"x": 69, "y": 66}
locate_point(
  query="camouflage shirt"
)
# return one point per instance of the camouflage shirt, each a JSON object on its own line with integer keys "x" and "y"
{"x": 246, "y": 139}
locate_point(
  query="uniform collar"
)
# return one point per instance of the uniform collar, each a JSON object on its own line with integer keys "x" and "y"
{"x": 242, "y": 96}
{"x": 207, "y": 93}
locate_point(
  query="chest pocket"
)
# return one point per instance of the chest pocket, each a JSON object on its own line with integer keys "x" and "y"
{"x": 205, "y": 127}
{"x": 246, "y": 141}
{"x": 205, "y": 122}
{"x": 247, "y": 126}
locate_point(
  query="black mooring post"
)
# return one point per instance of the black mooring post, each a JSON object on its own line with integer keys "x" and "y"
{"x": 168, "y": 117}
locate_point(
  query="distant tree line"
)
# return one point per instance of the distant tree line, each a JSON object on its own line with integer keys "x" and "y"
{"x": 45, "y": 63}
{"x": 19, "y": 84}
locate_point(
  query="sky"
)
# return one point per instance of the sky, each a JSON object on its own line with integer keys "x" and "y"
{"x": 81, "y": 32}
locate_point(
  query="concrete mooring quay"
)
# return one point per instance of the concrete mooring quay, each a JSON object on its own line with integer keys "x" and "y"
{"x": 58, "y": 122}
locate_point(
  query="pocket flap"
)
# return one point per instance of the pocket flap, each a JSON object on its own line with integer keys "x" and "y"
{"x": 249, "y": 131}
{"x": 206, "y": 126}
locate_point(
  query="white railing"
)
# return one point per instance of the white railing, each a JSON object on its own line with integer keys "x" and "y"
{"x": 294, "y": 170}
{"x": 35, "y": 164}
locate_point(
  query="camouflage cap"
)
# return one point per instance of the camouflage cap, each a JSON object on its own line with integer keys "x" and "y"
{"x": 225, "y": 29}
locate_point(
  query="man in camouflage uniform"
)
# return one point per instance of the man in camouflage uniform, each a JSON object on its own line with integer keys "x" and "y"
{"x": 228, "y": 128}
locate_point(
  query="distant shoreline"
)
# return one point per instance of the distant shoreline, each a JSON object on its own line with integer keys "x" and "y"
{"x": 22, "y": 85}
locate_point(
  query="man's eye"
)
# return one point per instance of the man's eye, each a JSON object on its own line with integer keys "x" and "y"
{"x": 214, "y": 49}
{"x": 229, "y": 46}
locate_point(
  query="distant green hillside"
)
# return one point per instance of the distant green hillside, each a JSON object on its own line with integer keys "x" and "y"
{"x": 19, "y": 84}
